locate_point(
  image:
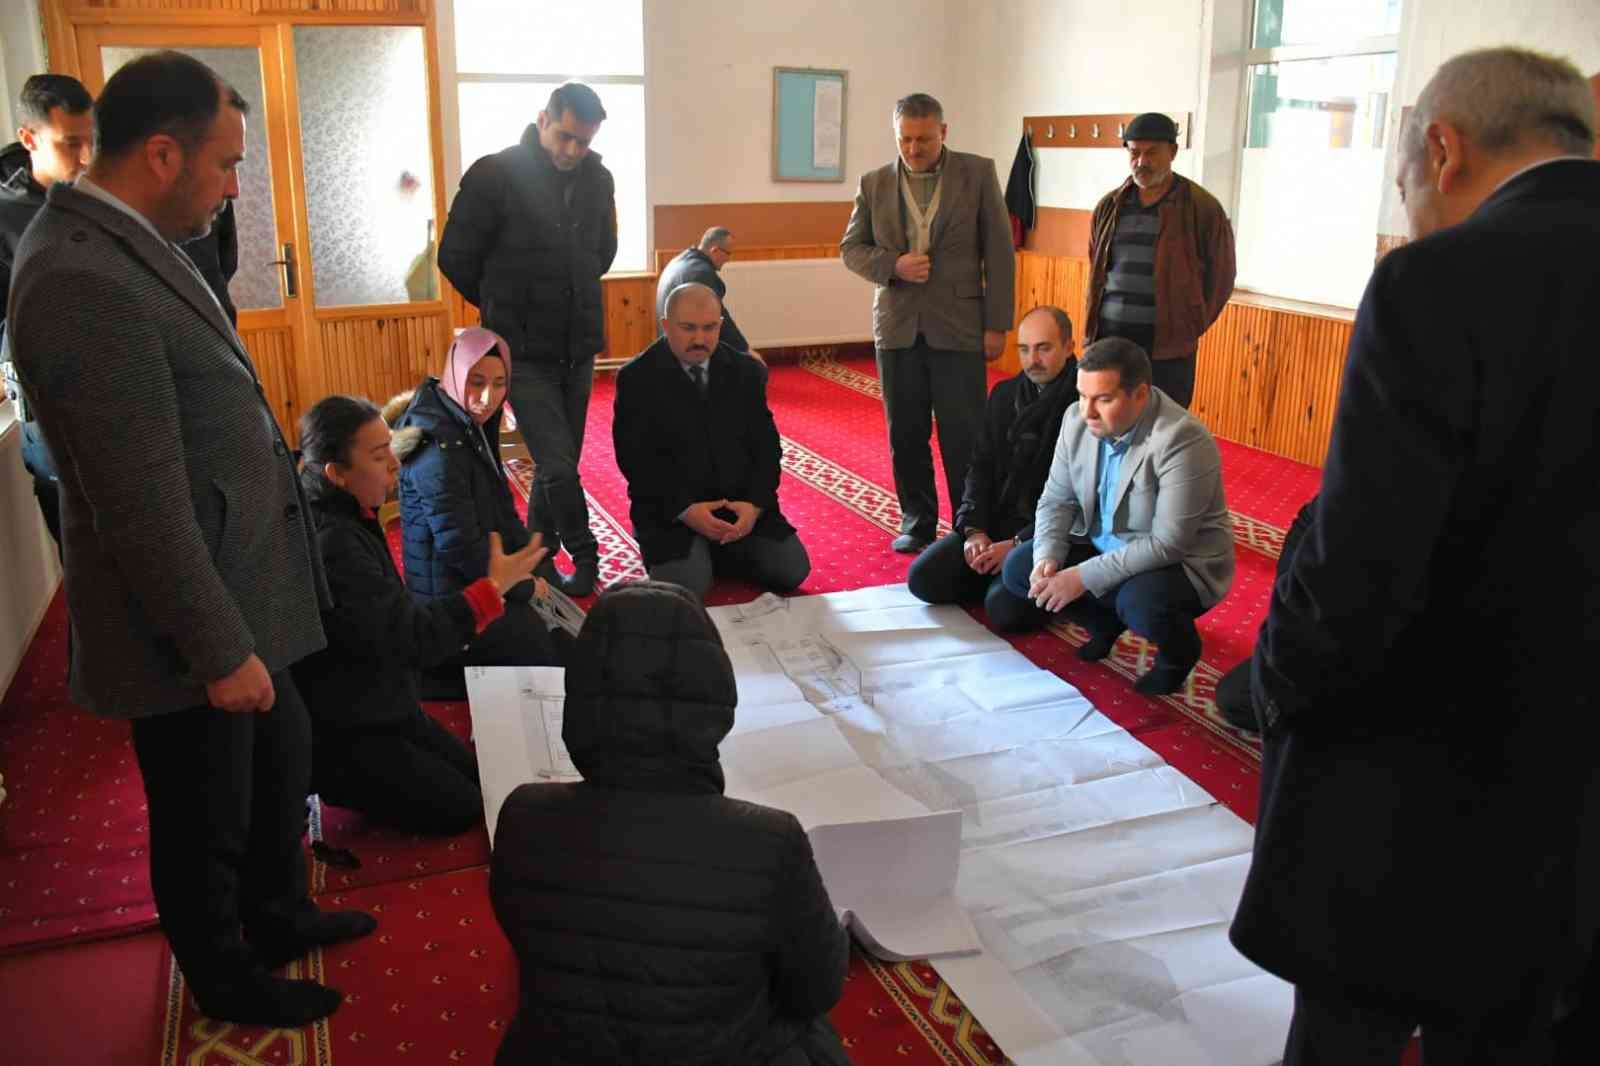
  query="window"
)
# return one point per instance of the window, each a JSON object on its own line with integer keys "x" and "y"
{"x": 1316, "y": 127}
{"x": 511, "y": 53}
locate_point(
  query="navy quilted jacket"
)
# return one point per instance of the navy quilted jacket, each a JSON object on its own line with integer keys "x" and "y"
{"x": 453, "y": 494}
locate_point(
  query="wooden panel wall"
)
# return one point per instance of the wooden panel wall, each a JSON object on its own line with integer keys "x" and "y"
{"x": 272, "y": 350}
{"x": 409, "y": 8}
{"x": 765, "y": 224}
{"x": 378, "y": 357}
{"x": 1270, "y": 379}
{"x": 1267, "y": 377}
{"x": 761, "y": 252}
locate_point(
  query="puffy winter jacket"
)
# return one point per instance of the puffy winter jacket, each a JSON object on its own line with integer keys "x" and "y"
{"x": 453, "y": 494}
{"x": 379, "y": 635}
{"x": 529, "y": 257}
{"x": 654, "y": 920}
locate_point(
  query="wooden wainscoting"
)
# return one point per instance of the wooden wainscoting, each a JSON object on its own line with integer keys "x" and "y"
{"x": 1266, "y": 376}
{"x": 762, "y": 252}
{"x": 377, "y": 356}
{"x": 272, "y": 351}
{"x": 1270, "y": 378}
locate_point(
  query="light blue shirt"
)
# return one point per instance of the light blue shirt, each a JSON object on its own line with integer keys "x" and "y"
{"x": 1111, "y": 453}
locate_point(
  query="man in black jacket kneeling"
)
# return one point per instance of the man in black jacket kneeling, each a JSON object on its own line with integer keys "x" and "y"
{"x": 1007, "y": 474}
{"x": 696, "y": 440}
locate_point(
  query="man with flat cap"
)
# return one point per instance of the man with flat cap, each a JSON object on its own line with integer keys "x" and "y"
{"x": 1160, "y": 258}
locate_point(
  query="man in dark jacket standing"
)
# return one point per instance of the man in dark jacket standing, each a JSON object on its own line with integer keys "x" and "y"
{"x": 696, "y": 440}
{"x": 655, "y": 920}
{"x": 1160, "y": 259}
{"x": 192, "y": 576}
{"x": 52, "y": 145}
{"x": 703, "y": 264}
{"x": 531, "y": 232}
{"x": 1008, "y": 472}
{"x": 1430, "y": 804}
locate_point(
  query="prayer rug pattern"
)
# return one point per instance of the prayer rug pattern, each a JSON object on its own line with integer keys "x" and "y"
{"x": 437, "y": 983}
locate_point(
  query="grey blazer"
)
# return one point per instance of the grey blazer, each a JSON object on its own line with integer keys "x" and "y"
{"x": 188, "y": 542}
{"x": 1169, "y": 506}
{"x": 970, "y": 286}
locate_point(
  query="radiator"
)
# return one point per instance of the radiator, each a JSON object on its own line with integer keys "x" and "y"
{"x": 790, "y": 303}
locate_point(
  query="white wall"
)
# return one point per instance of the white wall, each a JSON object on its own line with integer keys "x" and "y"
{"x": 709, "y": 91}
{"x": 29, "y": 575}
{"x": 1078, "y": 57}
{"x": 21, "y": 56}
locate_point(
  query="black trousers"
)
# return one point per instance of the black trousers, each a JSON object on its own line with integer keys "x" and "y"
{"x": 1159, "y": 605}
{"x": 941, "y": 575}
{"x": 227, "y": 799}
{"x": 412, "y": 774}
{"x": 517, "y": 638}
{"x": 1233, "y": 688}
{"x": 551, "y": 401}
{"x": 1175, "y": 377}
{"x": 920, "y": 384}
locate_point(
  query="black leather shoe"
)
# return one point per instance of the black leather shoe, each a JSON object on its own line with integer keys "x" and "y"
{"x": 910, "y": 543}
{"x": 581, "y": 581}
{"x": 1234, "y": 703}
{"x": 1162, "y": 679}
{"x": 1098, "y": 646}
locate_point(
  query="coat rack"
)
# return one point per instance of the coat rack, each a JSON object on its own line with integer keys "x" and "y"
{"x": 1092, "y": 131}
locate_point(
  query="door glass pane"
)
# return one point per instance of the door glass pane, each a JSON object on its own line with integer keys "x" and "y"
{"x": 368, "y": 163}
{"x": 594, "y": 38}
{"x": 494, "y": 114}
{"x": 257, "y": 285}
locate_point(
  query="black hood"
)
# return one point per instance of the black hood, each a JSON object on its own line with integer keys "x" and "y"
{"x": 650, "y": 693}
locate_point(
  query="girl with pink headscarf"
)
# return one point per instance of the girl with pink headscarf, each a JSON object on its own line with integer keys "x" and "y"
{"x": 453, "y": 494}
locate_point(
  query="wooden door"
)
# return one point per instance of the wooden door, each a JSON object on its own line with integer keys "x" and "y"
{"x": 271, "y": 284}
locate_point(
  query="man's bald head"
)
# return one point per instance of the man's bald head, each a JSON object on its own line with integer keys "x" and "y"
{"x": 692, "y": 322}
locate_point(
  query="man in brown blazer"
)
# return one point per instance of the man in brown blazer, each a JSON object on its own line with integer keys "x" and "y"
{"x": 930, "y": 230}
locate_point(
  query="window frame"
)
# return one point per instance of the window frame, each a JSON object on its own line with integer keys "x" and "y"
{"x": 451, "y": 74}
{"x": 1248, "y": 58}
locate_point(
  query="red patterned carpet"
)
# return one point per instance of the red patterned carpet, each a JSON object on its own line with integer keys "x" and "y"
{"x": 436, "y": 984}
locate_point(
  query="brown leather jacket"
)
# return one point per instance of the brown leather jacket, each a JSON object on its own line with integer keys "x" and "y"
{"x": 1194, "y": 264}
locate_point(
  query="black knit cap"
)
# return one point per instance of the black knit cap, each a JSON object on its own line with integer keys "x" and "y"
{"x": 1151, "y": 126}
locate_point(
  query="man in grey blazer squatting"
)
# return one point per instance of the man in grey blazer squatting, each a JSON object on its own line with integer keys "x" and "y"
{"x": 1132, "y": 528}
{"x": 192, "y": 574}
{"x": 930, "y": 230}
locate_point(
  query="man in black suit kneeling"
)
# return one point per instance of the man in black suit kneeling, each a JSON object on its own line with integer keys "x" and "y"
{"x": 696, "y": 441}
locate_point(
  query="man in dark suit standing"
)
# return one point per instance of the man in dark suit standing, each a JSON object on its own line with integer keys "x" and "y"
{"x": 193, "y": 581}
{"x": 1425, "y": 851}
{"x": 697, "y": 443}
{"x": 930, "y": 230}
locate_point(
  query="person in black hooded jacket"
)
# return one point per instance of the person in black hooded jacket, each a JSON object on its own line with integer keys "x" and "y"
{"x": 655, "y": 920}
{"x": 374, "y": 749}
{"x": 1007, "y": 475}
{"x": 454, "y": 496}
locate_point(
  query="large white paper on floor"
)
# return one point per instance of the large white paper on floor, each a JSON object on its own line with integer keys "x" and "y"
{"x": 1101, "y": 880}
{"x": 889, "y": 863}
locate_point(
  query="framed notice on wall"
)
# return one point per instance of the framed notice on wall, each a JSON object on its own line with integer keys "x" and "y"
{"x": 808, "y": 124}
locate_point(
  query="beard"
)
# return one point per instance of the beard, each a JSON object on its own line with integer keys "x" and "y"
{"x": 181, "y": 212}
